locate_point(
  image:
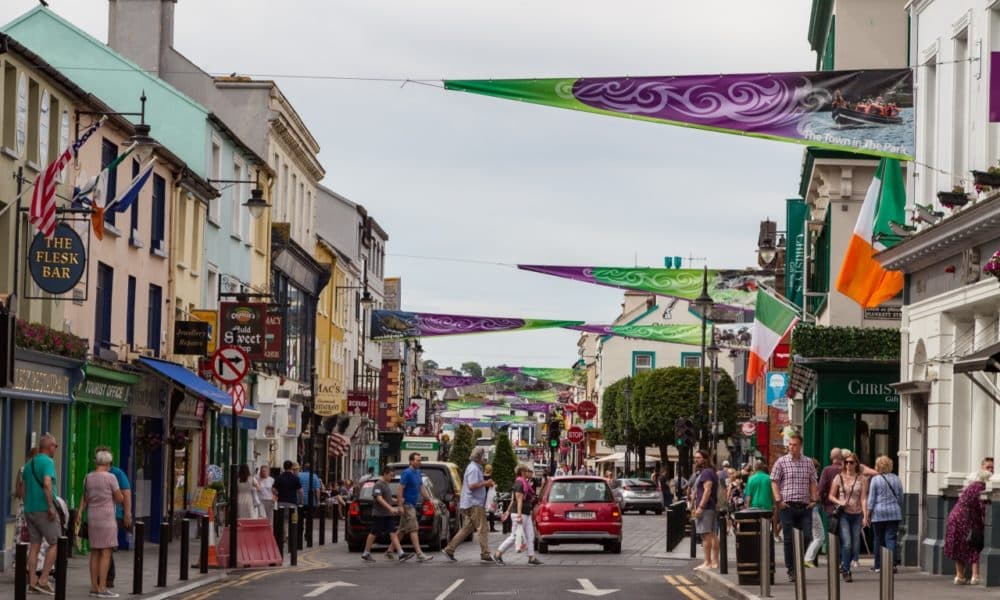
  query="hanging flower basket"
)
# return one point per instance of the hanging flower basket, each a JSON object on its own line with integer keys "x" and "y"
{"x": 992, "y": 266}
{"x": 954, "y": 198}
{"x": 987, "y": 179}
{"x": 179, "y": 439}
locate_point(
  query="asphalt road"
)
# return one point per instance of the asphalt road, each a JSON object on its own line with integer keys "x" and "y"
{"x": 640, "y": 571}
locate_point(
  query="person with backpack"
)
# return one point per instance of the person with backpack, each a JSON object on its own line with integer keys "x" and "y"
{"x": 706, "y": 494}
{"x": 885, "y": 508}
{"x": 40, "y": 512}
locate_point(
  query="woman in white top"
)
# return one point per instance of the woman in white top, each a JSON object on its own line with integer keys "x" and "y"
{"x": 265, "y": 495}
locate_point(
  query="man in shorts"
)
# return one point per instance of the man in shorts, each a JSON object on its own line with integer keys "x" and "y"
{"x": 40, "y": 512}
{"x": 411, "y": 488}
{"x": 382, "y": 519}
{"x": 705, "y": 490}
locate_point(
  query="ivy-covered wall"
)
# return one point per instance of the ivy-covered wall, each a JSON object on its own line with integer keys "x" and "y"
{"x": 814, "y": 341}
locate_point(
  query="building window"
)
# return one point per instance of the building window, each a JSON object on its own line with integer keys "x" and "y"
{"x": 103, "y": 306}
{"x": 109, "y": 152}
{"x": 44, "y": 127}
{"x": 691, "y": 360}
{"x": 159, "y": 213}
{"x": 212, "y": 289}
{"x": 34, "y": 101}
{"x": 928, "y": 112}
{"x": 134, "y": 211}
{"x": 21, "y": 116}
{"x": 235, "y": 193}
{"x": 130, "y": 314}
{"x": 642, "y": 362}
{"x": 215, "y": 168}
{"x": 960, "y": 105}
{"x": 153, "y": 318}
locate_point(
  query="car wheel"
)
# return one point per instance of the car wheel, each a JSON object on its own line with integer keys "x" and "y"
{"x": 615, "y": 548}
{"x": 543, "y": 548}
{"x": 659, "y": 511}
{"x": 642, "y": 511}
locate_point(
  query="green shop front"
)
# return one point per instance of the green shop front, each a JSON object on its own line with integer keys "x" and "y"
{"x": 96, "y": 420}
{"x": 850, "y": 404}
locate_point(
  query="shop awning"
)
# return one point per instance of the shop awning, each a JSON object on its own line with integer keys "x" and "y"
{"x": 986, "y": 359}
{"x": 181, "y": 376}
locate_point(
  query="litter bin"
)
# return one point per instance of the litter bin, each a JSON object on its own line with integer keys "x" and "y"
{"x": 677, "y": 520}
{"x": 748, "y": 546}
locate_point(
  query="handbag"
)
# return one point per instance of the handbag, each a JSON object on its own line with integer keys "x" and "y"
{"x": 84, "y": 532}
{"x": 975, "y": 539}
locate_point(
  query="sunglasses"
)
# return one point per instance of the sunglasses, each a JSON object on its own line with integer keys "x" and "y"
{"x": 851, "y": 462}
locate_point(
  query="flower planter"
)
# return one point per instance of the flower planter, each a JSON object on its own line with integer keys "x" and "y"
{"x": 953, "y": 199}
{"x": 986, "y": 179}
{"x": 992, "y": 266}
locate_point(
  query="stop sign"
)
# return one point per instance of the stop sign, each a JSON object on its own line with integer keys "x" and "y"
{"x": 587, "y": 410}
{"x": 574, "y": 434}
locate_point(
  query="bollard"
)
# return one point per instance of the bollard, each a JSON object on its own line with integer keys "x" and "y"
{"x": 279, "y": 530}
{"x": 335, "y": 517}
{"x": 309, "y": 526}
{"x": 887, "y": 577}
{"x": 62, "y": 555}
{"x": 137, "y": 555}
{"x": 800, "y": 568}
{"x": 832, "y": 568}
{"x": 293, "y": 537}
{"x": 70, "y": 528}
{"x": 666, "y": 526}
{"x": 185, "y": 547}
{"x": 203, "y": 550}
{"x": 322, "y": 524}
{"x": 764, "y": 561}
{"x": 694, "y": 539}
{"x": 723, "y": 547}
{"x": 161, "y": 569}
{"x": 20, "y": 571}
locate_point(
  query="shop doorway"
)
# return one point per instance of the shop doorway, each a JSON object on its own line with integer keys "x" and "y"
{"x": 876, "y": 434}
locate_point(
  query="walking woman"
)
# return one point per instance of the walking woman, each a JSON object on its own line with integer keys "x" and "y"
{"x": 964, "y": 535}
{"x": 100, "y": 494}
{"x": 885, "y": 508}
{"x": 246, "y": 493}
{"x": 520, "y": 510}
{"x": 849, "y": 494}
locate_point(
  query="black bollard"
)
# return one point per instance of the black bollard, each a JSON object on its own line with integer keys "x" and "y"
{"x": 723, "y": 546}
{"x": 335, "y": 517}
{"x": 185, "y": 548}
{"x": 21, "y": 572}
{"x": 137, "y": 556}
{"x": 278, "y": 523}
{"x": 309, "y": 526}
{"x": 322, "y": 524}
{"x": 161, "y": 569}
{"x": 694, "y": 539}
{"x": 666, "y": 520}
{"x": 62, "y": 555}
{"x": 70, "y": 528}
{"x": 293, "y": 537}
{"x": 203, "y": 550}
{"x": 832, "y": 568}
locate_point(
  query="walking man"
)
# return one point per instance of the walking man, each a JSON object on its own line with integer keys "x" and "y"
{"x": 40, "y": 512}
{"x": 793, "y": 483}
{"x": 287, "y": 492}
{"x": 382, "y": 513}
{"x": 411, "y": 484}
{"x": 472, "y": 504}
{"x": 705, "y": 514}
{"x": 123, "y": 511}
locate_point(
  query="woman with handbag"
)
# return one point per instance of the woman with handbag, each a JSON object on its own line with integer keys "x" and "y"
{"x": 100, "y": 494}
{"x": 885, "y": 508}
{"x": 964, "y": 536}
{"x": 849, "y": 495}
{"x": 520, "y": 511}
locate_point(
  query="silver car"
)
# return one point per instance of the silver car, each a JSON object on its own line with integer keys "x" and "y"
{"x": 637, "y": 494}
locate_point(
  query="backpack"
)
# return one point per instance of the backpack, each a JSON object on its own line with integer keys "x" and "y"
{"x": 721, "y": 496}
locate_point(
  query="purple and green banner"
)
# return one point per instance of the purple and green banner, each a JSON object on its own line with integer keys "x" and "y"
{"x": 669, "y": 333}
{"x": 555, "y": 375}
{"x": 454, "y": 381}
{"x": 868, "y": 111}
{"x": 397, "y": 324}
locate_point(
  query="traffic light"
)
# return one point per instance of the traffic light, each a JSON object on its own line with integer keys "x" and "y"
{"x": 555, "y": 427}
{"x": 553, "y": 442}
{"x": 684, "y": 431}
{"x": 689, "y": 432}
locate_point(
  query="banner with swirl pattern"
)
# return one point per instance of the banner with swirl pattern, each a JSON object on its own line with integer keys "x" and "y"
{"x": 867, "y": 112}
{"x": 670, "y": 333}
{"x": 397, "y": 324}
{"x": 555, "y": 375}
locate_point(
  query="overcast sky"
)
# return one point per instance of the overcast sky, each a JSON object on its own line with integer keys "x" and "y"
{"x": 471, "y": 178}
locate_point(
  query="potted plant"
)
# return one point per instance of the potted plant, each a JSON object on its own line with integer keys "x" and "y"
{"x": 953, "y": 199}
{"x": 179, "y": 439}
{"x": 988, "y": 179}
{"x": 992, "y": 266}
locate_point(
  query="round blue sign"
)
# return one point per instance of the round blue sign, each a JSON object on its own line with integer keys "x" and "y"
{"x": 57, "y": 263}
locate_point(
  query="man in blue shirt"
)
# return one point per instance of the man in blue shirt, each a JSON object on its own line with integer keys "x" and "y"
{"x": 123, "y": 511}
{"x": 472, "y": 503}
{"x": 411, "y": 484}
{"x": 39, "y": 475}
{"x": 311, "y": 485}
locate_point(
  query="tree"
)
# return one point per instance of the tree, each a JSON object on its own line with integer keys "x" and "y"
{"x": 472, "y": 369}
{"x": 613, "y": 413}
{"x": 504, "y": 461}
{"x": 429, "y": 366}
{"x": 465, "y": 441}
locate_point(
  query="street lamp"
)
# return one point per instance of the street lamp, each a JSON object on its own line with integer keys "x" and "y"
{"x": 628, "y": 425}
{"x": 704, "y": 304}
{"x": 713, "y": 392}
{"x": 255, "y": 203}
{"x": 144, "y": 145}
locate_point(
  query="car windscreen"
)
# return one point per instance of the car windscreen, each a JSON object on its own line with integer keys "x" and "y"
{"x": 579, "y": 491}
{"x": 368, "y": 487}
{"x": 638, "y": 483}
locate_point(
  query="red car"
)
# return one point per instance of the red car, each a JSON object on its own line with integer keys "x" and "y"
{"x": 578, "y": 510}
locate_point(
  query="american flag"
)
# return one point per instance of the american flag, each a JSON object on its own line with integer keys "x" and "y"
{"x": 43, "y": 200}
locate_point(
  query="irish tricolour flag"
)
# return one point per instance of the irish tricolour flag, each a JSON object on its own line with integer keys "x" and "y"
{"x": 861, "y": 277}
{"x": 773, "y": 318}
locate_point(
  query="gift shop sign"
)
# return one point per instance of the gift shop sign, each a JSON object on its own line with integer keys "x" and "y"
{"x": 242, "y": 325}
{"x": 274, "y": 335}
{"x": 57, "y": 263}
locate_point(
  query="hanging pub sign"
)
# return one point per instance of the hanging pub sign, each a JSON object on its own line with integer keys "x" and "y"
{"x": 191, "y": 337}
{"x": 274, "y": 335}
{"x": 241, "y": 324}
{"x": 57, "y": 263}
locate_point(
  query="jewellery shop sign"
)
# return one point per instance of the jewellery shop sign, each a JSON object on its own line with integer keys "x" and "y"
{"x": 57, "y": 263}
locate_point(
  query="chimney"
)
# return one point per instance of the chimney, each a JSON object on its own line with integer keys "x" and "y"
{"x": 142, "y": 31}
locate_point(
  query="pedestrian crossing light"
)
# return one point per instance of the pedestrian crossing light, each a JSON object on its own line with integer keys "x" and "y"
{"x": 554, "y": 443}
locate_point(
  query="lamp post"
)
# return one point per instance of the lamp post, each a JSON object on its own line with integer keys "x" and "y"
{"x": 713, "y": 355}
{"x": 628, "y": 426}
{"x": 703, "y": 303}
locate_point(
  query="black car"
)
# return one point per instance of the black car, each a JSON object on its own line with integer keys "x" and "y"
{"x": 432, "y": 518}
{"x": 447, "y": 480}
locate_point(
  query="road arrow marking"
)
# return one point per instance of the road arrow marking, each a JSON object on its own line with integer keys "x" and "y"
{"x": 326, "y": 586}
{"x": 449, "y": 590}
{"x": 589, "y": 589}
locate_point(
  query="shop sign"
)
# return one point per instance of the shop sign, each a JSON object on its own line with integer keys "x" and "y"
{"x": 782, "y": 354}
{"x": 191, "y": 337}
{"x": 328, "y": 393}
{"x": 99, "y": 389}
{"x": 777, "y": 386}
{"x": 212, "y": 318}
{"x": 43, "y": 382}
{"x": 357, "y": 402}
{"x": 242, "y": 326}
{"x": 274, "y": 335}
{"x": 416, "y": 411}
{"x": 57, "y": 263}
{"x": 884, "y": 313}
{"x": 857, "y": 392}
{"x": 419, "y": 445}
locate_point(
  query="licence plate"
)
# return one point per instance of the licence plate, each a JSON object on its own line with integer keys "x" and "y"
{"x": 581, "y": 514}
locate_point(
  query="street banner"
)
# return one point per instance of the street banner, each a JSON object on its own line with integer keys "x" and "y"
{"x": 732, "y": 336}
{"x": 868, "y": 111}
{"x": 454, "y": 381}
{"x": 689, "y": 334}
{"x": 242, "y": 326}
{"x": 555, "y": 375}
{"x": 397, "y": 325}
{"x": 736, "y": 288}
{"x": 539, "y": 395}
{"x": 796, "y": 215}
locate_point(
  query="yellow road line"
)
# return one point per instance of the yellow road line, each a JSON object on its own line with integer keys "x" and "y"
{"x": 690, "y": 595}
{"x": 670, "y": 579}
{"x": 701, "y": 592}
{"x": 684, "y": 580}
